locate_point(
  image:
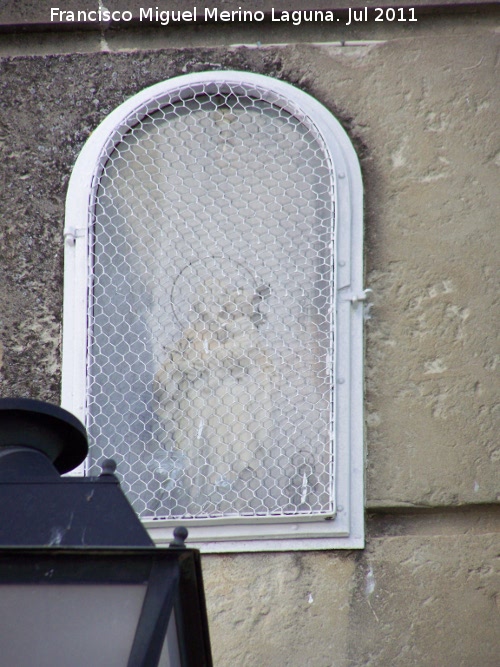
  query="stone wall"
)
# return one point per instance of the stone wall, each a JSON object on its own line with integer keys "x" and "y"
{"x": 420, "y": 104}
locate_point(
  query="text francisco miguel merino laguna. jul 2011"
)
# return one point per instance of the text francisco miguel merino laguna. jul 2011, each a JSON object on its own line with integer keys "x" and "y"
{"x": 295, "y": 17}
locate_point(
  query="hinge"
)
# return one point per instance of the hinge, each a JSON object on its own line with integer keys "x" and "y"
{"x": 71, "y": 234}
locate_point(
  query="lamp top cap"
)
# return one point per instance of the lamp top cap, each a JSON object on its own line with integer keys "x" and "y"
{"x": 25, "y": 422}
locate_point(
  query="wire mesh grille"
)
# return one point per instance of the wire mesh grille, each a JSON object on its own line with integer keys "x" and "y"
{"x": 211, "y": 317}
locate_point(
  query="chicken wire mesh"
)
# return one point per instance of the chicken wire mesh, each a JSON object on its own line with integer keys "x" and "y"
{"x": 210, "y": 361}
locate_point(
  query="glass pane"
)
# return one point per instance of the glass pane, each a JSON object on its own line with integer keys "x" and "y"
{"x": 211, "y": 318}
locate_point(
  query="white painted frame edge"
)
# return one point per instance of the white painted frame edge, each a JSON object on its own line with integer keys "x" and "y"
{"x": 346, "y": 530}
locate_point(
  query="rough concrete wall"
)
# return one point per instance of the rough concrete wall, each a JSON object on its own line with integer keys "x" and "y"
{"x": 421, "y": 108}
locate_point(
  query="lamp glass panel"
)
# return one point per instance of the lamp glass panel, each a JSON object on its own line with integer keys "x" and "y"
{"x": 60, "y": 625}
{"x": 170, "y": 653}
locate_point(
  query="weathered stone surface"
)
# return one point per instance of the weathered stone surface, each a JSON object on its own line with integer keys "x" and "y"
{"x": 424, "y": 595}
{"x": 276, "y": 610}
{"x": 407, "y": 601}
{"x": 427, "y": 601}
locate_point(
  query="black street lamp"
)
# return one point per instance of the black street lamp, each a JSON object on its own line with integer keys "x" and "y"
{"x": 81, "y": 582}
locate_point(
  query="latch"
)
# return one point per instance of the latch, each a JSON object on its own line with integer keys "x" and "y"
{"x": 360, "y": 296}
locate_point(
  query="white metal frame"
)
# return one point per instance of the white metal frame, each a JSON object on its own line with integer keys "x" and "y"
{"x": 346, "y": 528}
